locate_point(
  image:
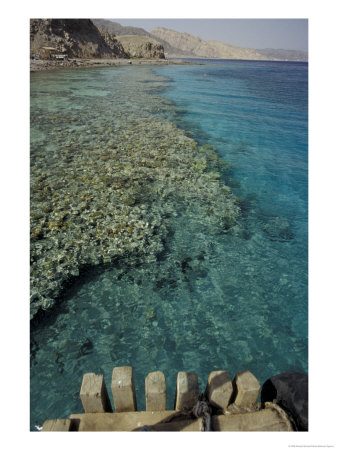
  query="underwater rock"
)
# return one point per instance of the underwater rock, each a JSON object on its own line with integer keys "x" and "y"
{"x": 279, "y": 228}
{"x": 241, "y": 232}
{"x": 86, "y": 347}
{"x": 34, "y": 348}
{"x": 150, "y": 313}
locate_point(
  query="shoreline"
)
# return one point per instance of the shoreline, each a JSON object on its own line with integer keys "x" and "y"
{"x": 77, "y": 63}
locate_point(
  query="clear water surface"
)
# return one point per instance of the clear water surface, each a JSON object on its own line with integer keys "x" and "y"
{"x": 213, "y": 300}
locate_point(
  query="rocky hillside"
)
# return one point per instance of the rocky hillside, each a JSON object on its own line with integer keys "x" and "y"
{"x": 81, "y": 38}
{"x": 76, "y": 37}
{"x": 141, "y": 47}
{"x": 197, "y": 47}
{"x": 119, "y": 30}
{"x": 113, "y": 43}
{"x": 137, "y": 42}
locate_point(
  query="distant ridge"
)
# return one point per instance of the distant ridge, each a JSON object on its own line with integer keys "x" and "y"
{"x": 198, "y": 47}
{"x": 285, "y": 55}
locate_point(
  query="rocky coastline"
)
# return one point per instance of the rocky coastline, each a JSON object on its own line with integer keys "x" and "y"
{"x": 78, "y": 63}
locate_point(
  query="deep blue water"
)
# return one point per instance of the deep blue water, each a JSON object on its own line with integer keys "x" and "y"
{"x": 242, "y": 299}
{"x": 255, "y": 114}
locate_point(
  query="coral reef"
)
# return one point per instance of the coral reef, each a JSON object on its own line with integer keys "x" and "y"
{"x": 108, "y": 172}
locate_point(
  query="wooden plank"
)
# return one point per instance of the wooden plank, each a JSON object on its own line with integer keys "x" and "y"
{"x": 268, "y": 419}
{"x": 123, "y": 389}
{"x": 187, "y": 391}
{"x": 134, "y": 421}
{"x": 57, "y": 425}
{"x": 219, "y": 389}
{"x": 93, "y": 394}
{"x": 246, "y": 389}
{"x": 156, "y": 391}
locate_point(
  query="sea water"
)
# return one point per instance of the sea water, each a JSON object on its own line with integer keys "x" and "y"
{"x": 213, "y": 299}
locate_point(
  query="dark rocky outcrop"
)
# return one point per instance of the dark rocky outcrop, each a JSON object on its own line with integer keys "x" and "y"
{"x": 290, "y": 391}
{"x": 77, "y": 38}
{"x": 80, "y": 38}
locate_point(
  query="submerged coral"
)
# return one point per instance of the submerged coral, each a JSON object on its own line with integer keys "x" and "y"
{"x": 107, "y": 174}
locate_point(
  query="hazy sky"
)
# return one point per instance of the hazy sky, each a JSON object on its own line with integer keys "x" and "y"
{"x": 289, "y": 34}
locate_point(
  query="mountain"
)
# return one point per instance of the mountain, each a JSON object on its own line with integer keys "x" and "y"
{"x": 78, "y": 38}
{"x": 137, "y": 42}
{"x": 100, "y": 38}
{"x": 197, "y": 47}
{"x": 285, "y": 55}
{"x": 119, "y": 30}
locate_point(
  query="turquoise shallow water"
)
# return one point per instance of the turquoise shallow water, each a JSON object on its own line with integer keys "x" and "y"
{"x": 213, "y": 299}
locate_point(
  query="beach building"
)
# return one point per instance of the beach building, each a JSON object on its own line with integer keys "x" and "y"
{"x": 50, "y": 53}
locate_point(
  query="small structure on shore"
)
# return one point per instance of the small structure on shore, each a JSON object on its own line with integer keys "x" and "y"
{"x": 59, "y": 57}
{"x": 226, "y": 405}
{"x": 49, "y": 53}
